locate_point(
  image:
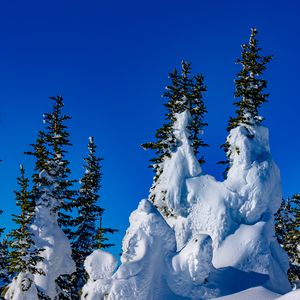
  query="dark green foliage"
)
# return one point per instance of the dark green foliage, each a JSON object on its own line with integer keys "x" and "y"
{"x": 287, "y": 227}
{"x": 58, "y": 138}
{"x": 52, "y": 186}
{"x": 183, "y": 94}
{"x": 4, "y": 254}
{"x": 23, "y": 256}
{"x": 249, "y": 90}
{"x": 249, "y": 86}
{"x": 50, "y": 153}
{"x": 89, "y": 235}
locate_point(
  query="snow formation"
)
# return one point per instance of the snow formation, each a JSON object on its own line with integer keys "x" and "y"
{"x": 49, "y": 236}
{"x": 22, "y": 288}
{"x": 219, "y": 239}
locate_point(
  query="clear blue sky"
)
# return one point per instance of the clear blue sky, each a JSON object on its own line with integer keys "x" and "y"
{"x": 110, "y": 60}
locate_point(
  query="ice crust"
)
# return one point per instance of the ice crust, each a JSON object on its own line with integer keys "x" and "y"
{"x": 220, "y": 239}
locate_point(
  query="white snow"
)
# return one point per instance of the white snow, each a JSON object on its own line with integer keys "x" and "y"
{"x": 100, "y": 264}
{"x": 50, "y": 237}
{"x": 22, "y": 288}
{"x": 183, "y": 164}
{"x": 220, "y": 240}
{"x": 256, "y": 293}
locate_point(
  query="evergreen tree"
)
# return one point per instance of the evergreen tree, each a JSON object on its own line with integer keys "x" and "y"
{"x": 4, "y": 274}
{"x": 287, "y": 227}
{"x": 249, "y": 86}
{"x": 52, "y": 186}
{"x": 23, "y": 256}
{"x": 185, "y": 93}
{"x": 249, "y": 90}
{"x": 88, "y": 236}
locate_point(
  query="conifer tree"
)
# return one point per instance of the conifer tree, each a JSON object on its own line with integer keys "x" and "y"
{"x": 185, "y": 93}
{"x": 52, "y": 186}
{"x": 23, "y": 256}
{"x": 287, "y": 227}
{"x": 89, "y": 235}
{"x": 249, "y": 89}
{"x": 4, "y": 274}
{"x": 58, "y": 138}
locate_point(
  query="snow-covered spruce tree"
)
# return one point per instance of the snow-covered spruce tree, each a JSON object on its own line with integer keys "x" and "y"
{"x": 4, "y": 274}
{"x": 88, "y": 235}
{"x": 52, "y": 192}
{"x": 287, "y": 226}
{"x": 184, "y": 96}
{"x": 249, "y": 90}
{"x": 24, "y": 255}
{"x": 58, "y": 138}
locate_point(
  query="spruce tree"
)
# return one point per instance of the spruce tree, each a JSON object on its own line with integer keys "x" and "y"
{"x": 249, "y": 90}
{"x": 185, "y": 93}
{"x": 287, "y": 227}
{"x": 4, "y": 253}
{"x": 52, "y": 186}
{"x": 89, "y": 235}
{"x": 24, "y": 256}
{"x": 57, "y": 138}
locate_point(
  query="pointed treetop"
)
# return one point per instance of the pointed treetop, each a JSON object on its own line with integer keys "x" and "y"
{"x": 249, "y": 84}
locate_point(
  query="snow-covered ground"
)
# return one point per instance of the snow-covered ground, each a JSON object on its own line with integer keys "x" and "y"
{"x": 261, "y": 293}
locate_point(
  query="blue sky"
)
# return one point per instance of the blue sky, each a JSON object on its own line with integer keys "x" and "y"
{"x": 110, "y": 60}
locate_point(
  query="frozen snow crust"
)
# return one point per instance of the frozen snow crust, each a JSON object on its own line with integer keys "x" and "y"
{"x": 220, "y": 239}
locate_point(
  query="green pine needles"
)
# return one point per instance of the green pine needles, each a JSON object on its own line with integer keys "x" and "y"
{"x": 4, "y": 273}
{"x": 249, "y": 86}
{"x": 184, "y": 93}
{"x": 24, "y": 256}
{"x": 249, "y": 90}
{"x": 89, "y": 234}
{"x": 287, "y": 226}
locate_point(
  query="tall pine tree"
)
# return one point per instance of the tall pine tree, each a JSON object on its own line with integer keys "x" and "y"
{"x": 4, "y": 274}
{"x": 52, "y": 186}
{"x": 90, "y": 234}
{"x": 249, "y": 89}
{"x": 287, "y": 226}
{"x": 24, "y": 255}
{"x": 185, "y": 93}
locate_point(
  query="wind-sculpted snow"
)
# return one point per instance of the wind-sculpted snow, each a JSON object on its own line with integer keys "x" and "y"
{"x": 151, "y": 268}
{"x": 191, "y": 269}
{"x": 171, "y": 186}
{"x": 22, "y": 288}
{"x": 220, "y": 236}
{"x": 57, "y": 251}
{"x": 100, "y": 266}
{"x": 49, "y": 236}
{"x": 253, "y": 176}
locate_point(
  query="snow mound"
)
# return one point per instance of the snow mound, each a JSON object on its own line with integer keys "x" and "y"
{"x": 256, "y": 293}
{"x": 100, "y": 265}
{"x": 253, "y": 176}
{"x": 294, "y": 295}
{"x": 22, "y": 288}
{"x": 191, "y": 269}
{"x": 148, "y": 242}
